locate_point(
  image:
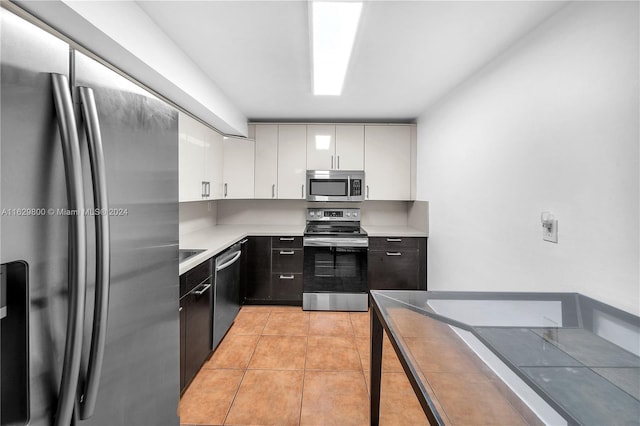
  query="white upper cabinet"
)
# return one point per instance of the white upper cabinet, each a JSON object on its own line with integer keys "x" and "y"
{"x": 238, "y": 168}
{"x": 335, "y": 147}
{"x": 387, "y": 162}
{"x": 193, "y": 148}
{"x": 266, "y": 161}
{"x": 273, "y": 162}
{"x": 321, "y": 146}
{"x": 213, "y": 167}
{"x": 292, "y": 161}
{"x": 349, "y": 147}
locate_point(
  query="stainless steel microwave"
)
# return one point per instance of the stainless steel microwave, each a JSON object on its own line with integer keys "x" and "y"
{"x": 335, "y": 185}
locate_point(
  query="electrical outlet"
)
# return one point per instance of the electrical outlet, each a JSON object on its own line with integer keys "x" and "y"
{"x": 550, "y": 232}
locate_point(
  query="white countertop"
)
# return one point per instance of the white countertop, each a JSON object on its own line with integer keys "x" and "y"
{"x": 217, "y": 238}
{"x": 394, "y": 231}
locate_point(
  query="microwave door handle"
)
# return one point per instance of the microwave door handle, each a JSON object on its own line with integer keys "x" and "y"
{"x": 77, "y": 249}
{"x": 103, "y": 253}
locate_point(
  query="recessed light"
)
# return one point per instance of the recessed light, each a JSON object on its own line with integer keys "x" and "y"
{"x": 334, "y": 31}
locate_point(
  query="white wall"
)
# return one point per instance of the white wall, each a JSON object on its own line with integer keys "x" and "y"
{"x": 552, "y": 124}
{"x": 124, "y": 35}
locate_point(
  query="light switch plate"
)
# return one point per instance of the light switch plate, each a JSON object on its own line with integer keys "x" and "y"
{"x": 551, "y": 234}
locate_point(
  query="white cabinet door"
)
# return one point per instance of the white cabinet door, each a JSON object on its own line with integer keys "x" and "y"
{"x": 238, "y": 168}
{"x": 321, "y": 147}
{"x": 349, "y": 147}
{"x": 213, "y": 167}
{"x": 190, "y": 161}
{"x": 266, "y": 161}
{"x": 387, "y": 162}
{"x": 292, "y": 161}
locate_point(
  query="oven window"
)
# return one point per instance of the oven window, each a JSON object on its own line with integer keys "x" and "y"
{"x": 329, "y": 187}
{"x": 335, "y": 269}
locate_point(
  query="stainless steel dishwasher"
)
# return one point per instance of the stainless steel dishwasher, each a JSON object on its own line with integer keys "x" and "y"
{"x": 226, "y": 294}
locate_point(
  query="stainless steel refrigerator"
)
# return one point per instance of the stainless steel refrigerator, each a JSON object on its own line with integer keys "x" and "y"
{"x": 89, "y": 199}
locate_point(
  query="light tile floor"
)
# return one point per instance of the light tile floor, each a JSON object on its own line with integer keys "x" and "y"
{"x": 284, "y": 366}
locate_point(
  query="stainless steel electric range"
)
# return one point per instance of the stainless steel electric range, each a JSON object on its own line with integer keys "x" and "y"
{"x": 335, "y": 261}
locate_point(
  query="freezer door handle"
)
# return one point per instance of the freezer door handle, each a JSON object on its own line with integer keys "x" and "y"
{"x": 77, "y": 249}
{"x": 103, "y": 252}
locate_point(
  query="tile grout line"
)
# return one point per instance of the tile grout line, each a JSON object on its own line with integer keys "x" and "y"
{"x": 355, "y": 338}
{"x": 244, "y": 371}
{"x": 304, "y": 370}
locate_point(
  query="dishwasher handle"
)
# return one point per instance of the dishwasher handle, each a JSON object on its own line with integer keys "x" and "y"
{"x": 226, "y": 264}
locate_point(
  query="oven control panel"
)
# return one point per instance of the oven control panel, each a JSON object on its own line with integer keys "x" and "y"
{"x": 333, "y": 214}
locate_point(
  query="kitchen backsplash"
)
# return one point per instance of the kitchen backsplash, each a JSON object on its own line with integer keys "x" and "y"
{"x": 203, "y": 214}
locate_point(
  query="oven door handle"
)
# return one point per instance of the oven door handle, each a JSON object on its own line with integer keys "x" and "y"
{"x": 335, "y": 242}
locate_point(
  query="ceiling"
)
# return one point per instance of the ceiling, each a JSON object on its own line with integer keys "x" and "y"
{"x": 407, "y": 54}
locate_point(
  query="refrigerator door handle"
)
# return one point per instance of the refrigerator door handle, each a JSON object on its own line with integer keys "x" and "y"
{"x": 103, "y": 252}
{"x": 77, "y": 249}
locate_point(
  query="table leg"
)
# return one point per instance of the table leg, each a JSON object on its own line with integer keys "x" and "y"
{"x": 376, "y": 366}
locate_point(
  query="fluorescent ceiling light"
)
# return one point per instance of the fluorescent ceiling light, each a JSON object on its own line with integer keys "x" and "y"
{"x": 323, "y": 142}
{"x": 334, "y": 31}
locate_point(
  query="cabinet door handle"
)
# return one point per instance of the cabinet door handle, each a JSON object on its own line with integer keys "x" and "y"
{"x": 332, "y": 161}
{"x": 287, "y": 238}
{"x": 394, "y": 253}
{"x": 244, "y": 241}
{"x": 273, "y": 190}
{"x": 286, "y": 277}
{"x": 225, "y": 189}
{"x": 204, "y": 189}
{"x": 180, "y": 310}
{"x": 302, "y": 194}
{"x": 287, "y": 252}
{"x": 338, "y": 165}
{"x": 367, "y": 191}
{"x": 203, "y": 290}
{"x": 394, "y": 240}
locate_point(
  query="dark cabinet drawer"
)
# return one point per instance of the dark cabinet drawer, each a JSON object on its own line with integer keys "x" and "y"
{"x": 394, "y": 270}
{"x": 287, "y": 260}
{"x": 195, "y": 276}
{"x": 287, "y": 287}
{"x": 393, "y": 243}
{"x": 286, "y": 242}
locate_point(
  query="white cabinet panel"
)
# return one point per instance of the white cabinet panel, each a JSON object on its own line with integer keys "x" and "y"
{"x": 387, "y": 162}
{"x": 335, "y": 147}
{"x": 292, "y": 161}
{"x": 321, "y": 147}
{"x": 213, "y": 167}
{"x": 190, "y": 159}
{"x": 238, "y": 168}
{"x": 349, "y": 147}
{"x": 266, "y": 161}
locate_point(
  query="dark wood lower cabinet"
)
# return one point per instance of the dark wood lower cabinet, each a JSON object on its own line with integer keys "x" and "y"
{"x": 195, "y": 321}
{"x": 274, "y": 270}
{"x": 287, "y": 288}
{"x": 183, "y": 328}
{"x": 258, "y": 273}
{"x": 397, "y": 263}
